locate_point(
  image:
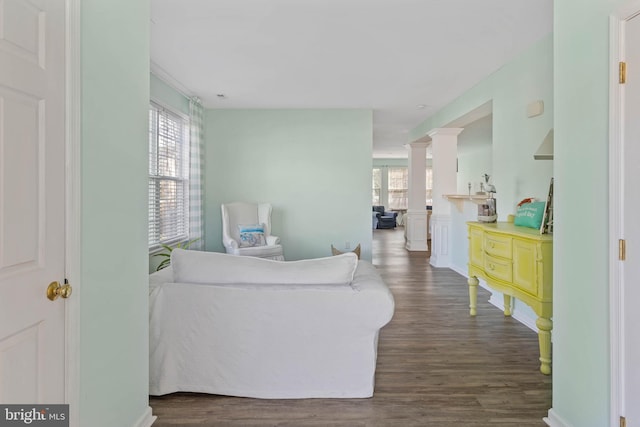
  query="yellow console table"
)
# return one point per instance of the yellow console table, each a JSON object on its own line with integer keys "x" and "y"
{"x": 518, "y": 262}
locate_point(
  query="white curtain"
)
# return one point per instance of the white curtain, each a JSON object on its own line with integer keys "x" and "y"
{"x": 196, "y": 178}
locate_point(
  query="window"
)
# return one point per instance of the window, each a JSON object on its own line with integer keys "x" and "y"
{"x": 168, "y": 177}
{"x": 394, "y": 191}
{"x": 398, "y": 188}
{"x": 376, "y": 186}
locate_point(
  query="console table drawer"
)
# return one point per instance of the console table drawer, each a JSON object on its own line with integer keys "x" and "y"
{"x": 497, "y": 245}
{"x": 498, "y": 268}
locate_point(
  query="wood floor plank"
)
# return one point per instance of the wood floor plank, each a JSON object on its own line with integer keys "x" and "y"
{"x": 437, "y": 366}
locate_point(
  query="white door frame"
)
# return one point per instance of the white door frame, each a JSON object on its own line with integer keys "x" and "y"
{"x": 616, "y": 215}
{"x": 72, "y": 206}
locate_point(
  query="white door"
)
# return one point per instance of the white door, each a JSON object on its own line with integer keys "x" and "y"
{"x": 631, "y": 227}
{"x": 32, "y": 200}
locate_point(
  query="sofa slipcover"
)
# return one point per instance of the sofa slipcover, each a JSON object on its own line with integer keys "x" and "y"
{"x": 267, "y": 340}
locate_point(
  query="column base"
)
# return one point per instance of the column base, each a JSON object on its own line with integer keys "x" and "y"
{"x": 440, "y": 240}
{"x": 416, "y": 226}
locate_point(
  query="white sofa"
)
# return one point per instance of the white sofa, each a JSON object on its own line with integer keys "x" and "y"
{"x": 251, "y": 327}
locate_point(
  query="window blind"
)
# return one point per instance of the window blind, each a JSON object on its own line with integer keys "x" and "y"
{"x": 429, "y": 186}
{"x": 376, "y": 186}
{"x": 168, "y": 177}
{"x": 398, "y": 187}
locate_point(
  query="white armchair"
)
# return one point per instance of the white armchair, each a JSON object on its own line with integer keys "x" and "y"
{"x": 240, "y": 213}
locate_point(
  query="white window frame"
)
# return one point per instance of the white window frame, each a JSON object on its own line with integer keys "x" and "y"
{"x": 375, "y": 189}
{"x": 429, "y": 186}
{"x": 384, "y": 185}
{"x": 400, "y": 194}
{"x": 181, "y": 177}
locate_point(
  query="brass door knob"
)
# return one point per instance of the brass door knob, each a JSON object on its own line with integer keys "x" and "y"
{"x": 55, "y": 290}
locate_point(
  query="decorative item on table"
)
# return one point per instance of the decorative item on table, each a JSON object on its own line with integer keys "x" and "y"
{"x": 547, "y": 219}
{"x": 529, "y": 213}
{"x": 487, "y": 211}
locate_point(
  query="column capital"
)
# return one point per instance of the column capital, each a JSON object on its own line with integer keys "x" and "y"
{"x": 445, "y": 131}
{"x": 418, "y": 144}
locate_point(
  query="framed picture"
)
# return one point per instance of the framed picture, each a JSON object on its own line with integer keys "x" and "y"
{"x": 547, "y": 217}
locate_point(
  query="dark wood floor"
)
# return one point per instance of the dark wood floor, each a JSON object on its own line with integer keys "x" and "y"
{"x": 437, "y": 366}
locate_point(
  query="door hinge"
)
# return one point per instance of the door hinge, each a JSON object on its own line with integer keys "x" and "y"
{"x": 622, "y": 249}
{"x": 623, "y": 422}
{"x": 622, "y": 72}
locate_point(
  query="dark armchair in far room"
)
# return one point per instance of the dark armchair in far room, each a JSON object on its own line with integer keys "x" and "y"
{"x": 383, "y": 219}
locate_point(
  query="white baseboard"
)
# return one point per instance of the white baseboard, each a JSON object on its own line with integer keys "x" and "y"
{"x": 146, "y": 419}
{"x": 554, "y": 420}
{"x": 460, "y": 271}
{"x": 497, "y": 301}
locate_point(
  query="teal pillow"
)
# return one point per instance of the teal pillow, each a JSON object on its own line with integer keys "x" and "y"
{"x": 530, "y": 215}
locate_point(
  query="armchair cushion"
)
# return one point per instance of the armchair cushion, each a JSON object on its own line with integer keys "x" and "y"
{"x": 251, "y": 235}
{"x": 272, "y": 240}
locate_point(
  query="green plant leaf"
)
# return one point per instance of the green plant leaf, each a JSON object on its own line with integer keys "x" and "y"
{"x": 166, "y": 262}
{"x": 163, "y": 264}
{"x": 162, "y": 254}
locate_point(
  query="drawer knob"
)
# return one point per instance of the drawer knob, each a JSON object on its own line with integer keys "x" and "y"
{"x": 493, "y": 245}
{"x": 492, "y": 267}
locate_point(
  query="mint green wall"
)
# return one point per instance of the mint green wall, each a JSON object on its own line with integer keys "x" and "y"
{"x": 313, "y": 166}
{"x": 471, "y": 166}
{"x": 114, "y": 283}
{"x": 475, "y": 154}
{"x": 167, "y": 96}
{"x": 581, "y": 294}
{"x": 516, "y": 138}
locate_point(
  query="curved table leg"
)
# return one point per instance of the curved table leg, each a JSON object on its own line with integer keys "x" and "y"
{"x": 473, "y": 294}
{"x": 507, "y": 304}
{"x": 544, "y": 338}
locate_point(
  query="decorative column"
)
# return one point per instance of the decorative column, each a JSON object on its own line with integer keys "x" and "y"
{"x": 444, "y": 147}
{"x": 416, "y": 219}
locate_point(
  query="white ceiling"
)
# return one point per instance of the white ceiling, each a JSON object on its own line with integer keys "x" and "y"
{"x": 387, "y": 55}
